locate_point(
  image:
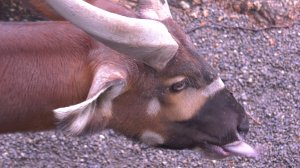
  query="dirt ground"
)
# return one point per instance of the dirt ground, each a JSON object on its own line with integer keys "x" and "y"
{"x": 256, "y": 49}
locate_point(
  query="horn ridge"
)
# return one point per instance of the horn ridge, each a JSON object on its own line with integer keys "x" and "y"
{"x": 154, "y": 9}
{"x": 143, "y": 39}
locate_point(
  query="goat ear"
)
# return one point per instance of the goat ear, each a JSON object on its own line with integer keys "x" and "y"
{"x": 94, "y": 113}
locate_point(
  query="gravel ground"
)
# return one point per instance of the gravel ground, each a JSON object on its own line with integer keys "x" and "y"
{"x": 261, "y": 66}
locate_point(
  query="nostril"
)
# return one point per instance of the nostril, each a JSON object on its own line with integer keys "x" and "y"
{"x": 242, "y": 132}
{"x": 243, "y": 127}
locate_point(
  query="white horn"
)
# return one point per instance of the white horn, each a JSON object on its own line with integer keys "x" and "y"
{"x": 142, "y": 39}
{"x": 154, "y": 9}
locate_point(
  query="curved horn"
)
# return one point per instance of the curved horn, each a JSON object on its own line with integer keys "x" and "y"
{"x": 154, "y": 9}
{"x": 145, "y": 40}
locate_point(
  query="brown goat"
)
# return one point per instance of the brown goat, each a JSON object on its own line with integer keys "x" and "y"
{"x": 138, "y": 74}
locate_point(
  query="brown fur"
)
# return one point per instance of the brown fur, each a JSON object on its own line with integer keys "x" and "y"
{"x": 34, "y": 82}
{"x": 48, "y": 70}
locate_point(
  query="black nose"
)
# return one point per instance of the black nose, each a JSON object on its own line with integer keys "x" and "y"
{"x": 243, "y": 126}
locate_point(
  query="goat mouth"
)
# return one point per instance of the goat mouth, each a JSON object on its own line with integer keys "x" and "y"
{"x": 237, "y": 148}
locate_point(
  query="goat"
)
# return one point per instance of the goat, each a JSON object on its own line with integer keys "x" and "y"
{"x": 135, "y": 72}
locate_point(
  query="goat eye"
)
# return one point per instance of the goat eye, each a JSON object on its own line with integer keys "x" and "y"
{"x": 176, "y": 87}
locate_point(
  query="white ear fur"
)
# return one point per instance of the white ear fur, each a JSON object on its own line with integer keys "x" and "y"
{"x": 95, "y": 112}
{"x": 64, "y": 112}
{"x": 73, "y": 119}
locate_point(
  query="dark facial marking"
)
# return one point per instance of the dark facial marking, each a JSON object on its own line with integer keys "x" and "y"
{"x": 162, "y": 1}
{"x": 220, "y": 117}
{"x": 217, "y": 122}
